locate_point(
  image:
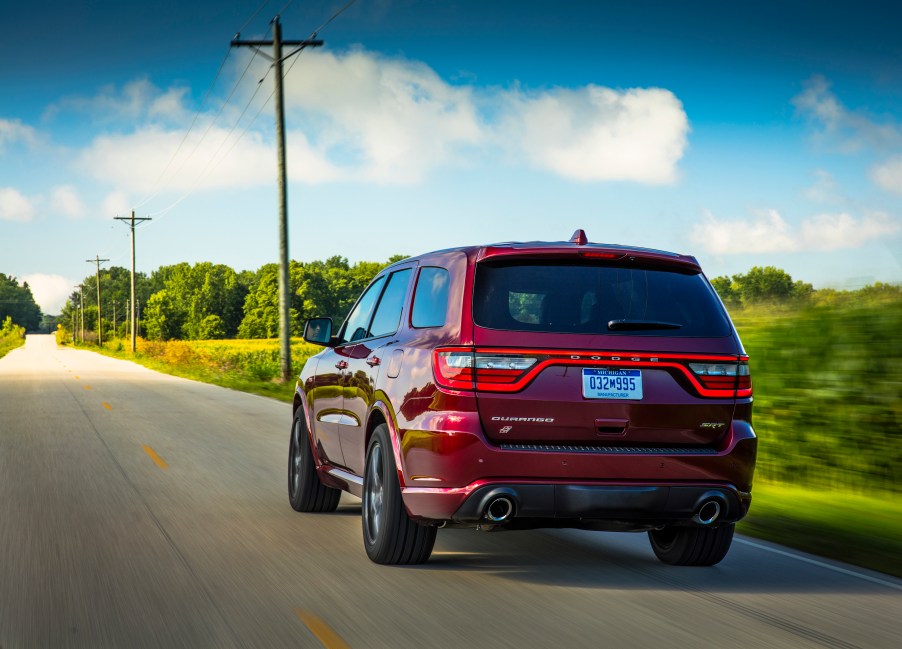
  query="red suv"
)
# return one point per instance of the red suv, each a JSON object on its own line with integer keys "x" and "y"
{"x": 528, "y": 385}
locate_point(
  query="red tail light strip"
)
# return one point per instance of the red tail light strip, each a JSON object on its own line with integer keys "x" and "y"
{"x": 514, "y": 381}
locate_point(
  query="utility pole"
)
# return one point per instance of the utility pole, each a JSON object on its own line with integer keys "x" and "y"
{"x": 284, "y": 299}
{"x": 97, "y": 260}
{"x": 133, "y": 220}
{"x": 114, "y": 318}
{"x": 81, "y": 304}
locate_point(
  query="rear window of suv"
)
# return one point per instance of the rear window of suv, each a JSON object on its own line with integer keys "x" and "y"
{"x": 587, "y": 298}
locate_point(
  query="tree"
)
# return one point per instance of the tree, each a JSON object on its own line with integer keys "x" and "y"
{"x": 317, "y": 289}
{"x": 193, "y": 294}
{"x": 761, "y": 284}
{"x": 727, "y": 291}
{"x": 17, "y": 302}
{"x": 161, "y": 320}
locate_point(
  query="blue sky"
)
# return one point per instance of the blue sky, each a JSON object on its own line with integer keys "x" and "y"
{"x": 744, "y": 133}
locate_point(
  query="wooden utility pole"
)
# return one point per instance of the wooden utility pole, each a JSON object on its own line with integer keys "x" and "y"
{"x": 132, "y": 221}
{"x": 81, "y": 304}
{"x": 284, "y": 298}
{"x": 97, "y": 260}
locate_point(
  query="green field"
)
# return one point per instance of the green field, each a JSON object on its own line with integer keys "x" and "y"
{"x": 828, "y": 395}
{"x": 828, "y": 413}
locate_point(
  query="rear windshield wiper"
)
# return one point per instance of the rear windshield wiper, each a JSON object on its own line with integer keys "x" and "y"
{"x": 625, "y": 325}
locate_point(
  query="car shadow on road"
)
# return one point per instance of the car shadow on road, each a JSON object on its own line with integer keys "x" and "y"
{"x": 625, "y": 561}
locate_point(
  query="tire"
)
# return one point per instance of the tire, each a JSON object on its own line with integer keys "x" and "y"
{"x": 389, "y": 535}
{"x": 692, "y": 546}
{"x": 305, "y": 491}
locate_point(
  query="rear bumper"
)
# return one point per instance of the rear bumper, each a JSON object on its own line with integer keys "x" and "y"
{"x": 623, "y": 506}
{"x": 646, "y": 505}
{"x": 447, "y": 474}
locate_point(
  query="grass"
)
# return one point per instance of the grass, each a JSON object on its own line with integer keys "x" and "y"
{"x": 11, "y": 337}
{"x": 246, "y": 365}
{"x": 864, "y": 530}
{"x": 9, "y": 343}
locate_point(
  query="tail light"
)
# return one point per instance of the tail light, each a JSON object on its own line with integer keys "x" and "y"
{"x": 724, "y": 376}
{"x": 511, "y": 370}
{"x": 468, "y": 369}
{"x": 454, "y": 368}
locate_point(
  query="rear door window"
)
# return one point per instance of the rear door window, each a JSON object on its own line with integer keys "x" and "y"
{"x": 430, "y": 302}
{"x": 388, "y": 313}
{"x": 590, "y": 298}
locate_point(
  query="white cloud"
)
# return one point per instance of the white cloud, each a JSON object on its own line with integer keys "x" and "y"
{"x": 50, "y": 291}
{"x": 15, "y": 131}
{"x": 598, "y": 134}
{"x": 824, "y": 190}
{"x": 15, "y": 206}
{"x": 364, "y": 117}
{"x": 392, "y": 120}
{"x": 769, "y": 232}
{"x": 116, "y": 203}
{"x": 138, "y": 99}
{"x": 843, "y": 231}
{"x": 65, "y": 200}
{"x": 382, "y": 120}
{"x": 851, "y": 130}
{"x": 888, "y": 175}
{"x": 136, "y": 161}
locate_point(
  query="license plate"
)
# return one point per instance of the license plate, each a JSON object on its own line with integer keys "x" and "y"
{"x": 612, "y": 384}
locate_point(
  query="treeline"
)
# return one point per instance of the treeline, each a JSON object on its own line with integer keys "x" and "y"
{"x": 17, "y": 303}
{"x": 207, "y": 301}
{"x": 768, "y": 285}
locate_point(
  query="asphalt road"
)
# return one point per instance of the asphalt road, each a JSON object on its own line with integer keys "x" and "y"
{"x": 142, "y": 510}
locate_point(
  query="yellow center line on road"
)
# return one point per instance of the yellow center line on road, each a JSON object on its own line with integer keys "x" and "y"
{"x": 323, "y": 632}
{"x": 160, "y": 462}
{"x": 107, "y": 406}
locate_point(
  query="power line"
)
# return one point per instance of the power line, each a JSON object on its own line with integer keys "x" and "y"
{"x": 213, "y": 157}
{"x": 156, "y": 187}
{"x": 206, "y": 132}
{"x": 333, "y": 17}
{"x": 248, "y": 21}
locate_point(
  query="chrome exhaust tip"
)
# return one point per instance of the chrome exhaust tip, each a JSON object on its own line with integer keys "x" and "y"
{"x": 707, "y": 513}
{"x": 499, "y": 509}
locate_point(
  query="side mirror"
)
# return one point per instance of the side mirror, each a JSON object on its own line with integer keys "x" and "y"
{"x": 319, "y": 331}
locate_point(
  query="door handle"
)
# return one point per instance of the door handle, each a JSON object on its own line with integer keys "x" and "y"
{"x": 373, "y": 361}
{"x": 342, "y": 365}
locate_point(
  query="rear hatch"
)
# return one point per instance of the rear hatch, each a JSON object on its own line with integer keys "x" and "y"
{"x": 626, "y": 350}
